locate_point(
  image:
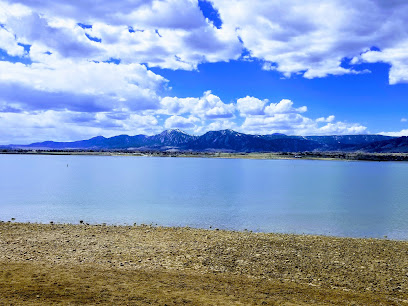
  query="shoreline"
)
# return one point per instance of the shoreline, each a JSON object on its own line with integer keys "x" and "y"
{"x": 41, "y": 262}
{"x": 210, "y": 228}
{"x": 338, "y": 156}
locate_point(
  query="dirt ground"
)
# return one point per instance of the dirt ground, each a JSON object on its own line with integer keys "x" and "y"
{"x": 140, "y": 265}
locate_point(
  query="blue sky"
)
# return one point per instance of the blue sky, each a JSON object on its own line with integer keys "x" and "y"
{"x": 77, "y": 70}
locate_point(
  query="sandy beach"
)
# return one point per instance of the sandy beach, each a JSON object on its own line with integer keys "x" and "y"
{"x": 141, "y": 265}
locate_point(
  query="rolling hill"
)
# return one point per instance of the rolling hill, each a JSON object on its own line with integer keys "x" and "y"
{"x": 230, "y": 141}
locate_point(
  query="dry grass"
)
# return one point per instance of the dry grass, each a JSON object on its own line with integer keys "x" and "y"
{"x": 80, "y": 264}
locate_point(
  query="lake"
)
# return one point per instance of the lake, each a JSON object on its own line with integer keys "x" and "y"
{"x": 340, "y": 198}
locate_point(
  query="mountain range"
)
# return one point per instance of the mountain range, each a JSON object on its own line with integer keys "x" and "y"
{"x": 230, "y": 141}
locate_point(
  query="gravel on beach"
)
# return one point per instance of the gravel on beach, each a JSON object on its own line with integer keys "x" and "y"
{"x": 77, "y": 264}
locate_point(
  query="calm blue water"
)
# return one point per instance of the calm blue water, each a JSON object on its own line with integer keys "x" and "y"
{"x": 357, "y": 199}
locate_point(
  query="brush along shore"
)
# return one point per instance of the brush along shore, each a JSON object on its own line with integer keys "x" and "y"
{"x": 331, "y": 155}
{"x": 77, "y": 264}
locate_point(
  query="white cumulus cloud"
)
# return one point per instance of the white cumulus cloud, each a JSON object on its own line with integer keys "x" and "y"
{"x": 95, "y": 57}
{"x": 395, "y": 134}
{"x": 328, "y": 119}
{"x": 283, "y": 118}
{"x": 79, "y": 85}
{"x": 314, "y": 37}
{"x": 311, "y": 38}
{"x": 168, "y": 34}
{"x": 71, "y": 125}
{"x": 251, "y": 106}
{"x": 285, "y": 106}
{"x": 181, "y": 122}
{"x": 209, "y": 106}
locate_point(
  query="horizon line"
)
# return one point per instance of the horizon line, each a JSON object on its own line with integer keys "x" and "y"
{"x": 193, "y": 135}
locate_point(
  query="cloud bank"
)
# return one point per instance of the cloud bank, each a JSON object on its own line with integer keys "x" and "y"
{"x": 79, "y": 68}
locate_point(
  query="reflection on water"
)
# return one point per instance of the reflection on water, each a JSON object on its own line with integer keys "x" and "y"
{"x": 358, "y": 199}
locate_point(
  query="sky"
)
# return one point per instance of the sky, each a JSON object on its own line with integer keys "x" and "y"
{"x": 72, "y": 70}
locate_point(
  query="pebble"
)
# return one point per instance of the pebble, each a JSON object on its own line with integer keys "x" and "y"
{"x": 352, "y": 264}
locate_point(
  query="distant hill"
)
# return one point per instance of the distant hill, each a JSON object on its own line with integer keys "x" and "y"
{"x": 167, "y": 138}
{"x": 239, "y": 142}
{"x": 171, "y": 138}
{"x": 345, "y": 142}
{"x": 334, "y": 142}
{"x": 394, "y": 145}
{"x": 232, "y": 141}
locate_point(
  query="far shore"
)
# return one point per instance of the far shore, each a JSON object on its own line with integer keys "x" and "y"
{"x": 359, "y": 156}
{"x": 140, "y": 264}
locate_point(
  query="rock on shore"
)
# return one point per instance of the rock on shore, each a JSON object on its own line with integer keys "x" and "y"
{"x": 48, "y": 263}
